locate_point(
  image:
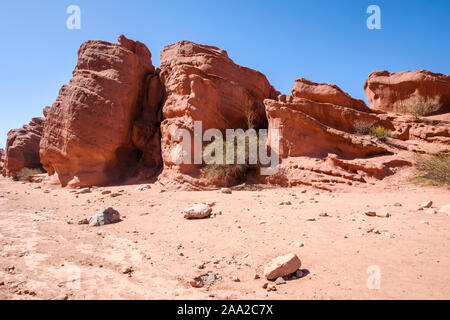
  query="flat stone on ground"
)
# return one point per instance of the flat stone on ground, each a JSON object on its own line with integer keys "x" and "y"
{"x": 282, "y": 266}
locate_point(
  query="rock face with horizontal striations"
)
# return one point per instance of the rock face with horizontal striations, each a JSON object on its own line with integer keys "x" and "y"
{"x": 104, "y": 123}
{"x": 326, "y": 93}
{"x": 22, "y": 148}
{"x": 322, "y": 143}
{"x": 203, "y": 84}
{"x": 385, "y": 90}
{"x": 316, "y": 128}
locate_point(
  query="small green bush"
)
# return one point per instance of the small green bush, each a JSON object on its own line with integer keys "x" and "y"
{"x": 230, "y": 174}
{"x": 380, "y": 132}
{"x": 27, "y": 173}
{"x": 434, "y": 169}
{"x": 419, "y": 106}
{"x": 226, "y": 175}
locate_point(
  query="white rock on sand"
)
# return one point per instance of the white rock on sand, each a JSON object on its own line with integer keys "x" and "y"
{"x": 379, "y": 214}
{"x": 226, "y": 190}
{"x": 104, "y": 217}
{"x": 198, "y": 211}
{"x": 282, "y": 266}
{"x": 425, "y": 205}
{"x": 142, "y": 188}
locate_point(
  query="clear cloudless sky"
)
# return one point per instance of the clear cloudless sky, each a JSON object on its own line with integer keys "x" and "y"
{"x": 322, "y": 40}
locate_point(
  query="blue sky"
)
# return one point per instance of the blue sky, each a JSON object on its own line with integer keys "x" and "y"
{"x": 322, "y": 40}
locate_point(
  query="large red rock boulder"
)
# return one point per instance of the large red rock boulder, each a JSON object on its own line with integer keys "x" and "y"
{"x": 385, "y": 90}
{"x": 22, "y": 148}
{"x": 326, "y": 93}
{"x": 327, "y": 144}
{"x": 203, "y": 84}
{"x": 104, "y": 123}
{"x": 318, "y": 119}
{"x": 318, "y": 124}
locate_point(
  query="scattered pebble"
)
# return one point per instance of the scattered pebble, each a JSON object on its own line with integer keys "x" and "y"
{"x": 297, "y": 244}
{"x": 83, "y": 221}
{"x": 425, "y": 205}
{"x": 280, "y": 281}
{"x": 204, "y": 280}
{"x": 127, "y": 270}
{"x": 226, "y": 191}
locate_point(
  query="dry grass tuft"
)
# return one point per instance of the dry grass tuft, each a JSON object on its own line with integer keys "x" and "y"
{"x": 27, "y": 173}
{"x": 419, "y": 106}
{"x": 433, "y": 169}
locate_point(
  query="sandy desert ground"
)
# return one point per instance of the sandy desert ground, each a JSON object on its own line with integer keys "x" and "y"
{"x": 154, "y": 252}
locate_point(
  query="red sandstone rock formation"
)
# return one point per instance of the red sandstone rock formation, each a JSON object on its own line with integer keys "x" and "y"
{"x": 118, "y": 115}
{"x": 22, "y": 148}
{"x": 385, "y": 90}
{"x": 104, "y": 123}
{"x": 203, "y": 84}
{"x": 326, "y": 93}
{"x": 321, "y": 126}
{"x": 320, "y": 144}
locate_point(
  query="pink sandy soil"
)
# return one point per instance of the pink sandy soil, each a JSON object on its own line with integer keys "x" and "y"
{"x": 46, "y": 254}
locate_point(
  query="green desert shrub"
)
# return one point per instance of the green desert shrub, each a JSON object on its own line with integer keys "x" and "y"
{"x": 225, "y": 175}
{"x": 380, "y": 132}
{"x": 434, "y": 169}
{"x": 230, "y": 172}
{"x": 27, "y": 173}
{"x": 419, "y": 106}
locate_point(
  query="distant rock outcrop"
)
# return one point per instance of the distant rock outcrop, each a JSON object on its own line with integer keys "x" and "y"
{"x": 203, "y": 84}
{"x": 385, "y": 90}
{"x": 325, "y": 140}
{"x": 104, "y": 123}
{"x": 22, "y": 148}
